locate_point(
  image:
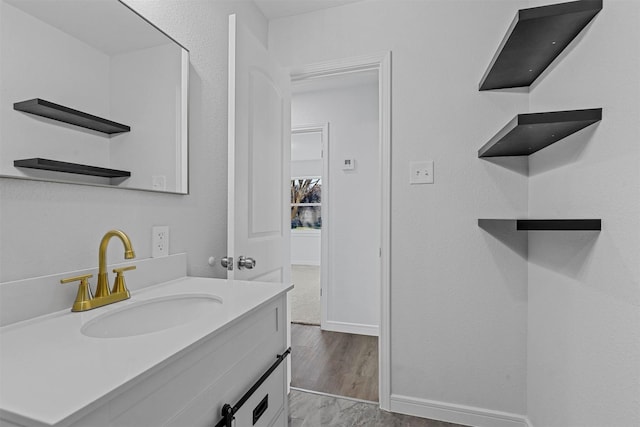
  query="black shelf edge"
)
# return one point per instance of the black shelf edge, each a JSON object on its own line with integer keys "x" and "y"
{"x": 528, "y": 133}
{"x": 534, "y": 40}
{"x": 57, "y": 166}
{"x": 50, "y": 110}
{"x": 545, "y": 224}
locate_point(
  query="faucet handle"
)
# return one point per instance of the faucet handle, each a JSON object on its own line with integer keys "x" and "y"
{"x": 119, "y": 285}
{"x": 123, "y": 269}
{"x": 84, "y": 296}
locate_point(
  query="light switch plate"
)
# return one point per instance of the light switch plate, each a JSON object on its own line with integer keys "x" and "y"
{"x": 348, "y": 164}
{"x": 421, "y": 172}
{"x": 159, "y": 241}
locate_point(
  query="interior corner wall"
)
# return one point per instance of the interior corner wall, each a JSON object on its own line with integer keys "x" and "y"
{"x": 48, "y": 228}
{"x": 353, "y": 285}
{"x": 458, "y": 294}
{"x": 584, "y": 288}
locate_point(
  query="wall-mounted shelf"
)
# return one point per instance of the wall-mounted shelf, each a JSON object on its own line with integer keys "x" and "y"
{"x": 535, "y": 38}
{"x": 545, "y": 224}
{"x": 47, "y": 109}
{"x": 54, "y": 165}
{"x": 528, "y": 133}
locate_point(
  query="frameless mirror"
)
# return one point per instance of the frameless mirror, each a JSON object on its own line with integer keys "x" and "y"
{"x": 91, "y": 93}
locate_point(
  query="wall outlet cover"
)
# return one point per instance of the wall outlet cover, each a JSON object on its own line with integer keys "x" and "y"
{"x": 421, "y": 172}
{"x": 159, "y": 241}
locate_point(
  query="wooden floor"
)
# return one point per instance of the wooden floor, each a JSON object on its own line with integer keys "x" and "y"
{"x": 334, "y": 363}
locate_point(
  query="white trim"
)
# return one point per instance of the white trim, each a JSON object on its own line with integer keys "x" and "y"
{"x": 321, "y": 127}
{"x": 528, "y": 422}
{"x": 454, "y": 413}
{"x": 351, "y": 328}
{"x": 231, "y": 144}
{"x": 384, "y": 341}
{"x": 335, "y": 396}
{"x": 306, "y": 232}
{"x": 182, "y": 154}
{"x": 340, "y": 66}
{"x": 382, "y": 63}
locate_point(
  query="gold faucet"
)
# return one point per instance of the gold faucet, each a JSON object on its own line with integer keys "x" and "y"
{"x": 102, "y": 288}
{"x": 103, "y": 296}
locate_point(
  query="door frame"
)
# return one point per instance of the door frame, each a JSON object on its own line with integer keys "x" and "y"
{"x": 381, "y": 62}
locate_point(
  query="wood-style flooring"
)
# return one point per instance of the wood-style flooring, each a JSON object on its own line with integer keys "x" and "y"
{"x": 334, "y": 363}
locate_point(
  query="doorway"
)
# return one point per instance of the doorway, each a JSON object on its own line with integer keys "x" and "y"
{"x": 351, "y": 220}
{"x": 309, "y": 172}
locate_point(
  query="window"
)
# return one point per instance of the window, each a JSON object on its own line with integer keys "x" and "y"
{"x": 306, "y": 203}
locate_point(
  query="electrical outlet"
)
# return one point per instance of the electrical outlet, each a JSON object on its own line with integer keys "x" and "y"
{"x": 421, "y": 172}
{"x": 159, "y": 241}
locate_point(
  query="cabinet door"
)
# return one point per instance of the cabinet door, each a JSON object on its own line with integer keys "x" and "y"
{"x": 253, "y": 350}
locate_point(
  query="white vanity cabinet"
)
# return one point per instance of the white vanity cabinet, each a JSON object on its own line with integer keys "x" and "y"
{"x": 192, "y": 390}
{"x": 180, "y": 377}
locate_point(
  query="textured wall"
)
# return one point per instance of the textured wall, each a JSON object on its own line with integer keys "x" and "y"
{"x": 584, "y": 288}
{"x": 458, "y": 294}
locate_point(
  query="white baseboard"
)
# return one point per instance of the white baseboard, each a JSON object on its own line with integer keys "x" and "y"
{"x": 453, "y": 413}
{"x": 351, "y": 328}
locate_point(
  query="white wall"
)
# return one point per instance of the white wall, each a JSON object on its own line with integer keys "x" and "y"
{"x": 48, "y": 227}
{"x": 458, "y": 295}
{"x": 306, "y": 247}
{"x": 353, "y": 200}
{"x": 584, "y": 292}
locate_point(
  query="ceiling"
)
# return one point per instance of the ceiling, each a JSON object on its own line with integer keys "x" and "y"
{"x": 274, "y": 9}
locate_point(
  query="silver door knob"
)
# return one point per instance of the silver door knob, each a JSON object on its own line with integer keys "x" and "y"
{"x": 227, "y": 262}
{"x": 246, "y": 262}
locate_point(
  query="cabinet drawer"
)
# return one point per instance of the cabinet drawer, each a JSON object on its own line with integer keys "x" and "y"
{"x": 266, "y": 403}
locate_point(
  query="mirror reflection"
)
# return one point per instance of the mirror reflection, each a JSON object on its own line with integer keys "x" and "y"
{"x": 91, "y": 93}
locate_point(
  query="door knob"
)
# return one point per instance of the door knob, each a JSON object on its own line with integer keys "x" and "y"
{"x": 246, "y": 262}
{"x": 227, "y": 262}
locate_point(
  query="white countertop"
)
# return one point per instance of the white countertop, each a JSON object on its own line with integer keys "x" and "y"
{"x": 43, "y": 360}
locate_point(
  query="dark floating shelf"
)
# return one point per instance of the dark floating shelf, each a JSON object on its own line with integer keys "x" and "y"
{"x": 546, "y": 224}
{"x": 47, "y": 109}
{"x": 54, "y": 165}
{"x": 528, "y": 133}
{"x": 535, "y": 38}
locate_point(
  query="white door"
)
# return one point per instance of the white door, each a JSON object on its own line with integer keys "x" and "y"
{"x": 259, "y": 152}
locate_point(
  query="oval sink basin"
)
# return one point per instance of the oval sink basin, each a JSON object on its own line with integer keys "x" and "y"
{"x": 152, "y": 315}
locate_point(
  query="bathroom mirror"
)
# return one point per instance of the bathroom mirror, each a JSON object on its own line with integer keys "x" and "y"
{"x": 91, "y": 93}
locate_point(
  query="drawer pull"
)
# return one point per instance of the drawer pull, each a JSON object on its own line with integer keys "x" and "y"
{"x": 229, "y": 411}
{"x": 259, "y": 410}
